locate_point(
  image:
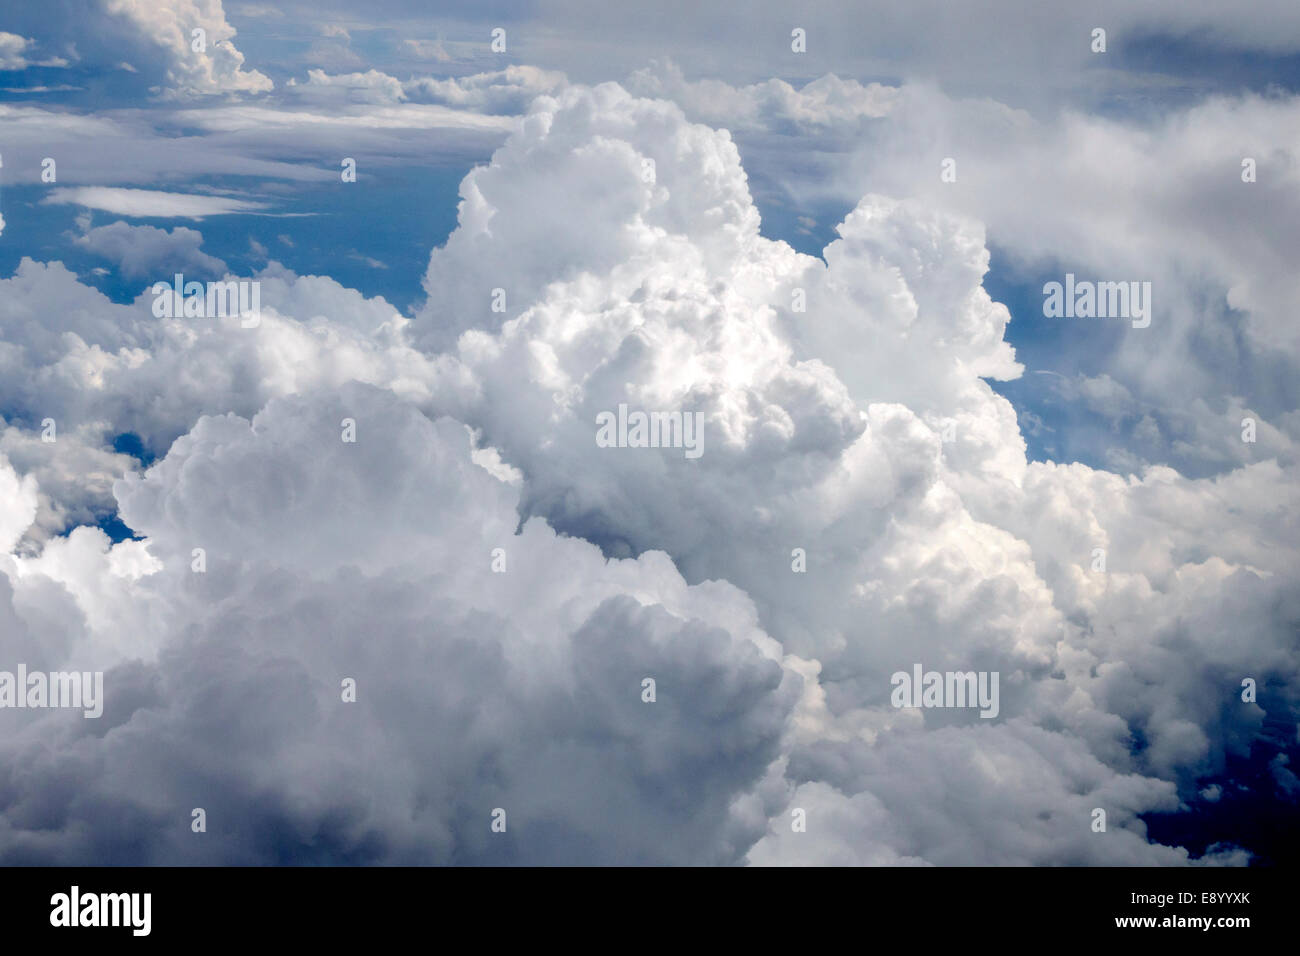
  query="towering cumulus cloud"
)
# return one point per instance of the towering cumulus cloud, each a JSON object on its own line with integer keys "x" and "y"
{"x": 418, "y": 512}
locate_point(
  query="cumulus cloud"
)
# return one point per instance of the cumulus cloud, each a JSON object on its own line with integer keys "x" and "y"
{"x": 11, "y": 51}
{"x": 80, "y": 358}
{"x": 207, "y": 63}
{"x": 16, "y": 52}
{"x": 625, "y": 245}
{"x": 824, "y": 427}
{"x": 1178, "y": 214}
{"x": 143, "y": 251}
{"x": 564, "y": 651}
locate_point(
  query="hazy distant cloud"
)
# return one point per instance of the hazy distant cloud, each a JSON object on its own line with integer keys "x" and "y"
{"x": 828, "y": 104}
{"x": 369, "y": 87}
{"x": 507, "y": 91}
{"x": 282, "y": 142}
{"x": 989, "y": 54}
{"x": 501, "y": 91}
{"x": 142, "y": 251}
{"x": 425, "y": 50}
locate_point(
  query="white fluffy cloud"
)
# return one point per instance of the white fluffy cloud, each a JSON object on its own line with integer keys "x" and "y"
{"x": 12, "y": 47}
{"x": 213, "y": 65}
{"x": 475, "y": 689}
{"x": 1177, "y": 213}
{"x": 627, "y": 247}
{"x": 914, "y": 552}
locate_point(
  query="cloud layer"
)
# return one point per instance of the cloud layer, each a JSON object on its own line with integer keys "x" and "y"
{"x": 610, "y": 254}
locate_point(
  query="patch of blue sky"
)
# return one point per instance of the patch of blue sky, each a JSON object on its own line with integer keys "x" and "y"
{"x": 374, "y": 235}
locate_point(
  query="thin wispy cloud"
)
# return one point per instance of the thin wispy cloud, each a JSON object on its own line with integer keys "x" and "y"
{"x": 150, "y": 203}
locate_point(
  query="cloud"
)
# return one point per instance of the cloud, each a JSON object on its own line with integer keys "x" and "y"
{"x": 822, "y": 427}
{"x": 85, "y": 361}
{"x": 12, "y": 47}
{"x": 60, "y": 88}
{"x": 1178, "y": 214}
{"x": 281, "y": 142}
{"x": 565, "y": 713}
{"x": 425, "y": 49}
{"x": 315, "y": 126}
{"x": 20, "y": 508}
{"x": 212, "y": 66}
{"x": 150, "y": 203}
{"x": 144, "y": 251}
{"x": 827, "y": 103}
{"x": 15, "y": 54}
{"x": 129, "y": 149}
{"x": 991, "y": 54}
{"x": 505, "y": 91}
{"x": 72, "y": 477}
{"x": 369, "y": 87}
{"x": 497, "y": 92}
{"x": 627, "y": 245}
